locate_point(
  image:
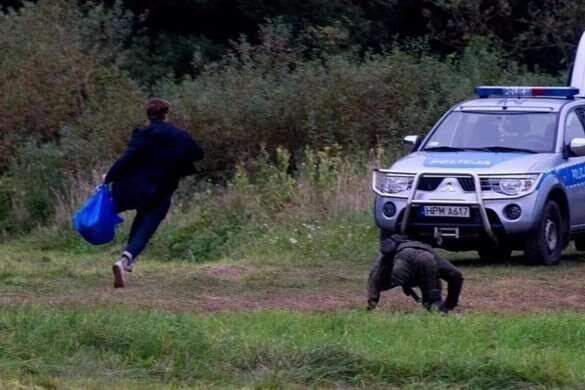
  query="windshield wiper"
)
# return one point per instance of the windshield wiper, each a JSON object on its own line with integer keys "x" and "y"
{"x": 503, "y": 149}
{"x": 444, "y": 149}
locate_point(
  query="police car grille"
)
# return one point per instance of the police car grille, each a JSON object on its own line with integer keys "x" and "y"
{"x": 486, "y": 185}
{"x": 432, "y": 182}
{"x": 466, "y": 183}
{"x": 429, "y": 183}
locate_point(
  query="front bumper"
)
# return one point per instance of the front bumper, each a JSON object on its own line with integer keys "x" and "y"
{"x": 487, "y": 219}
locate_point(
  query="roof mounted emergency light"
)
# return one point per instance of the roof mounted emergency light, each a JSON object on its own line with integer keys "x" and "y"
{"x": 486, "y": 91}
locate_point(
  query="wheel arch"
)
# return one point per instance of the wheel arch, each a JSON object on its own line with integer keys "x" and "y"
{"x": 552, "y": 188}
{"x": 559, "y": 197}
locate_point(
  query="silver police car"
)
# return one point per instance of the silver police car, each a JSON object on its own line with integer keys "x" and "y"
{"x": 502, "y": 172}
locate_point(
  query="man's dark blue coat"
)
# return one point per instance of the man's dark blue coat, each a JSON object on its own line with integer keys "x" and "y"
{"x": 149, "y": 170}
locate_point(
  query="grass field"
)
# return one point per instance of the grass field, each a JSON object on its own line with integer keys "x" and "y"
{"x": 281, "y": 313}
{"x": 278, "y": 348}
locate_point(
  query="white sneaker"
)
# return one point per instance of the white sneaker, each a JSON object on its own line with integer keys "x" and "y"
{"x": 120, "y": 268}
{"x": 119, "y": 272}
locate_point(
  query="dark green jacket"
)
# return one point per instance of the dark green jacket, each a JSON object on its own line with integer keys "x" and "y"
{"x": 415, "y": 264}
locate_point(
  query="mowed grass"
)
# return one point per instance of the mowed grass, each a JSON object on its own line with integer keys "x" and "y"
{"x": 285, "y": 310}
{"x": 290, "y": 278}
{"x": 57, "y": 347}
{"x": 311, "y": 267}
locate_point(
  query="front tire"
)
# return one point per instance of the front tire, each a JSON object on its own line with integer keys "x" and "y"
{"x": 545, "y": 243}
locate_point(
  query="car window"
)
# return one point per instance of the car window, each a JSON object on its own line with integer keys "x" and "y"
{"x": 476, "y": 130}
{"x": 580, "y": 111}
{"x": 573, "y": 128}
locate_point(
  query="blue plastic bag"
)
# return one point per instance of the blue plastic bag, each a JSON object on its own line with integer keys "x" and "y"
{"x": 96, "y": 220}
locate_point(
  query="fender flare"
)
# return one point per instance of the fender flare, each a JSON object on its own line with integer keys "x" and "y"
{"x": 548, "y": 185}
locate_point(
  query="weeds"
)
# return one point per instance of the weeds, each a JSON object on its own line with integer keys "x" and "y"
{"x": 269, "y": 203}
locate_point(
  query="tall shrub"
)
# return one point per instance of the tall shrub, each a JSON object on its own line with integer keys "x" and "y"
{"x": 282, "y": 91}
{"x": 66, "y": 107}
{"x": 57, "y": 66}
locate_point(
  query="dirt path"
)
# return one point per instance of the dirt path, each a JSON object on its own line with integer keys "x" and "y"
{"x": 492, "y": 288}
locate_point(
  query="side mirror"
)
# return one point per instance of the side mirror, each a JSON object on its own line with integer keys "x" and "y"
{"x": 412, "y": 140}
{"x": 577, "y": 146}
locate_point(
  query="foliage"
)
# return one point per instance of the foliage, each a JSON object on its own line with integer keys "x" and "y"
{"x": 35, "y": 178}
{"x": 65, "y": 106}
{"x": 287, "y": 88}
{"x": 5, "y": 205}
{"x": 541, "y": 35}
{"x": 538, "y": 34}
{"x": 55, "y": 62}
{"x": 269, "y": 93}
{"x": 268, "y": 203}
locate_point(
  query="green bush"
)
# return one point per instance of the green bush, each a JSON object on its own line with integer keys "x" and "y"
{"x": 5, "y": 206}
{"x": 267, "y": 204}
{"x": 281, "y": 92}
{"x": 203, "y": 233}
{"x": 57, "y": 66}
{"x": 66, "y": 107}
{"x": 35, "y": 179}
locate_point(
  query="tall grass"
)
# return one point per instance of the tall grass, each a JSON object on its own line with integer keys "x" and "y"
{"x": 276, "y": 348}
{"x": 267, "y": 201}
{"x": 77, "y": 189}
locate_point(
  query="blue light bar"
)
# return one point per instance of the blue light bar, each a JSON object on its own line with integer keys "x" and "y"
{"x": 486, "y": 91}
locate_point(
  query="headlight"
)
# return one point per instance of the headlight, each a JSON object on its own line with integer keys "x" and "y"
{"x": 391, "y": 184}
{"x": 509, "y": 186}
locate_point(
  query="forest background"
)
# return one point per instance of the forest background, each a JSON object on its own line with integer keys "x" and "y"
{"x": 294, "y": 102}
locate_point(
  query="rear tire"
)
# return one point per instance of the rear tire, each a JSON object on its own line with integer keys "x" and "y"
{"x": 498, "y": 254}
{"x": 544, "y": 244}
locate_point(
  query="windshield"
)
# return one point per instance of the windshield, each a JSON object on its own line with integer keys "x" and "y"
{"x": 495, "y": 132}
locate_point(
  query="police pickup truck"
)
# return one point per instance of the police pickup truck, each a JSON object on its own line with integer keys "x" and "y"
{"x": 502, "y": 172}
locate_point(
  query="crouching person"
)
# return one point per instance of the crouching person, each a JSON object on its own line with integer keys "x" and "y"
{"x": 407, "y": 263}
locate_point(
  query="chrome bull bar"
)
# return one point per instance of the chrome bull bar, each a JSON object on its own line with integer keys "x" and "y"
{"x": 478, "y": 202}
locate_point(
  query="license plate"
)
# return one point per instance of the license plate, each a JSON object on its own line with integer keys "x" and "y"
{"x": 446, "y": 211}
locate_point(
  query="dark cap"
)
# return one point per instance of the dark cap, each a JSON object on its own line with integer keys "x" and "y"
{"x": 157, "y": 108}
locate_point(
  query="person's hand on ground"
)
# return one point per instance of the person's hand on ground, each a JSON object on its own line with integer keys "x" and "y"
{"x": 372, "y": 304}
